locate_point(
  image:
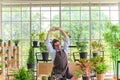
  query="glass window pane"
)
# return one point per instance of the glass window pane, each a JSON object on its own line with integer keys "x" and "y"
{"x": 95, "y": 15}
{"x": 104, "y": 7}
{"x": 6, "y": 29}
{"x": 6, "y": 9}
{"x": 25, "y": 8}
{"x": 16, "y": 16}
{"x": 114, "y": 15}
{"x": 25, "y": 30}
{"x": 65, "y": 15}
{"x": 45, "y": 26}
{"x": 75, "y": 8}
{"x": 26, "y": 16}
{"x": 55, "y": 23}
{"x": 95, "y": 30}
{"x": 6, "y": 16}
{"x": 36, "y": 27}
{"x": 45, "y": 15}
{"x": 35, "y": 15}
{"x": 55, "y": 8}
{"x": 55, "y": 15}
{"x": 75, "y": 15}
{"x": 45, "y": 8}
{"x": 104, "y": 15}
{"x": 35, "y": 8}
{"x": 84, "y": 15}
{"x": 16, "y": 30}
{"x": 16, "y": 8}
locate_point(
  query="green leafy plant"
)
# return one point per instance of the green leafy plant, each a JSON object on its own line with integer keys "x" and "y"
{"x": 111, "y": 35}
{"x": 31, "y": 56}
{"x": 16, "y": 41}
{"x": 97, "y": 59}
{"x": 1, "y": 65}
{"x": 1, "y": 41}
{"x": 96, "y": 46}
{"x": 23, "y": 74}
{"x": 34, "y": 36}
{"x": 117, "y": 44}
{"x": 100, "y": 68}
{"x": 81, "y": 46}
{"x": 42, "y": 41}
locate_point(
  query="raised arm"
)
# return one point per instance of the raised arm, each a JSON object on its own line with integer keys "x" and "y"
{"x": 63, "y": 32}
{"x": 49, "y": 33}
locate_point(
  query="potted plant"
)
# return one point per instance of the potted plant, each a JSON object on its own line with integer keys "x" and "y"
{"x": 96, "y": 47}
{"x": 77, "y": 74}
{"x": 111, "y": 35}
{"x": 31, "y": 60}
{"x": 82, "y": 46}
{"x": 23, "y": 74}
{"x": 1, "y": 42}
{"x": 16, "y": 41}
{"x": 85, "y": 67}
{"x": 43, "y": 47}
{"x": 100, "y": 69}
{"x": 34, "y": 39}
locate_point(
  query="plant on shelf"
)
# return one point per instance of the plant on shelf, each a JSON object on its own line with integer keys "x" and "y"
{"x": 43, "y": 47}
{"x": 31, "y": 60}
{"x": 23, "y": 74}
{"x": 96, "y": 47}
{"x": 1, "y": 42}
{"x": 34, "y": 37}
{"x": 16, "y": 41}
{"x": 42, "y": 41}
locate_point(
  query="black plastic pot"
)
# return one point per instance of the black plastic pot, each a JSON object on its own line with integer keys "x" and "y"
{"x": 95, "y": 54}
{"x": 84, "y": 77}
{"x": 30, "y": 66}
{"x": 83, "y": 55}
{"x": 35, "y": 43}
{"x": 45, "y": 56}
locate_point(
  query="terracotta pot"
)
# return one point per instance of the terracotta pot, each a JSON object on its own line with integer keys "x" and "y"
{"x": 100, "y": 76}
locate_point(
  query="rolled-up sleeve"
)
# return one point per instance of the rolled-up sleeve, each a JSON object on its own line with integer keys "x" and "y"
{"x": 50, "y": 49}
{"x": 66, "y": 44}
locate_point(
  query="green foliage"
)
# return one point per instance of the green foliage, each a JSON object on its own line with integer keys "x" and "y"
{"x": 16, "y": 41}
{"x": 1, "y": 41}
{"x": 34, "y": 36}
{"x": 111, "y": 35}
{"x": 31, "y": 59}
{"x": 100, "y": 68}
{"x": 97, "y": 46}
{"x": 77, "y": 73}
{"x": 41, "y": 36}
{"x": 97, "y": 59}
{"x": 1, "y": 65}
{"x": 23, "y": 74}
{"x": 42, "y": 41}
{"x": 81, "y": 46}
{"x": 117, "y": 44}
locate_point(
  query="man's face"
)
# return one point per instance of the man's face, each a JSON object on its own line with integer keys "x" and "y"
{"x": 57, "y": 45}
